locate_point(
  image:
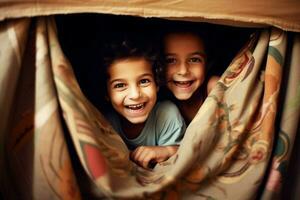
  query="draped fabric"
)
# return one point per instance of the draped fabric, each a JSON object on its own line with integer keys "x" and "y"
{"x": 56, "y": 145}
{"x": 283, "y": 14}
{"x": 35, "y": 162}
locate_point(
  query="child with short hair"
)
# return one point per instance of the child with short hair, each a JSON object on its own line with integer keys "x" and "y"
{"x": 186, "y": 63}
{"x": 151, "y": 129}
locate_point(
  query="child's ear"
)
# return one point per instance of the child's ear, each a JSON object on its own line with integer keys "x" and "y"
{"x": 157, "y": 88}
{"x": 106, "y": 98}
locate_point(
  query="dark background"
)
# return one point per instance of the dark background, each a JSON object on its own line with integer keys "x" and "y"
{"x": 82, "y": 35}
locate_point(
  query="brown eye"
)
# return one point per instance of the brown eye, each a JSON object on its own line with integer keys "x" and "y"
{"x": 170, "y": 60}
{"x": 144, "y": 82}
{"x": 119, "y": 85}
{"x": 195, "y": 60}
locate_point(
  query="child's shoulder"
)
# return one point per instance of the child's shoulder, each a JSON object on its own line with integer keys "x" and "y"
{"x": 166, "y": 109}
{"x": 165, "y": 104}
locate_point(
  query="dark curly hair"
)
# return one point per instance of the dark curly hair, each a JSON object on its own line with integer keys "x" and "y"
{"x": 133, "y": 45}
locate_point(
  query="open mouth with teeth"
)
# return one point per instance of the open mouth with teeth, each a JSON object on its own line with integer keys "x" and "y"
{"x": 136, "y": 107}
{"x": 183, "y": 84}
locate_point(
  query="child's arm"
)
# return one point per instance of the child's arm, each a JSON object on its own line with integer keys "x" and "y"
{"x": 143, "y": 155}
{"x": 211, "y": 83}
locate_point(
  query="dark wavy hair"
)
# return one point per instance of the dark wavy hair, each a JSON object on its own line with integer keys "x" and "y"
{"x": 198, "y": 31}
{"x": 133, "y": 45}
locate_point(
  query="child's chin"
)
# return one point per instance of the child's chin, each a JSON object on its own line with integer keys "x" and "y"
{"x": 138, "y": 120}
{"x": 183, "y": 97}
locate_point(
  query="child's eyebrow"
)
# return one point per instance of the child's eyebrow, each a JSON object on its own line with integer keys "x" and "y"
{"x": 170, "y": 54}
{"x": 146, "y": 74}
{"x": 198, "y": 53}
{"x": 122, "y": 80}
{"x": 116, "y": 80}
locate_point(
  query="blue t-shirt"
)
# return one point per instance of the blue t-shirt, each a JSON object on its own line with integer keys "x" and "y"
{"x": 164, "y": 126}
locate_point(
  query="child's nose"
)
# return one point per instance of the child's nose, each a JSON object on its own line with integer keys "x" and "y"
{"x": 134, "y": 93}
{"x": 183, "y": 68}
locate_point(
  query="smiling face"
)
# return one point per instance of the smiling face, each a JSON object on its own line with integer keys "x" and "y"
{"x": 132, "y": 89}
{"x": 186, "y": 60}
